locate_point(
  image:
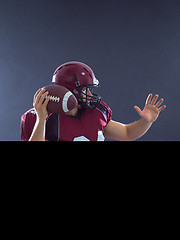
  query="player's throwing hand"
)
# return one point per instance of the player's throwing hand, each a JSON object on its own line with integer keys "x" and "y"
{"x": 40, "y": 103}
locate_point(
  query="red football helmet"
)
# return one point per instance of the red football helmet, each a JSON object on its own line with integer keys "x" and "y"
{"x": 78, "y": 78}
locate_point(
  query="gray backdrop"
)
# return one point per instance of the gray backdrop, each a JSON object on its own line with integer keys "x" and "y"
{"x": 133, "y": 47}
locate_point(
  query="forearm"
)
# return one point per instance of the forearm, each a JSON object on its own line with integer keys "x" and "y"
{"x": 137, "y": 129}
{"x": 38, "y": 133}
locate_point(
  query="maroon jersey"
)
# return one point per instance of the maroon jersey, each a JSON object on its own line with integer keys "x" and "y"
{"x": 88, "y": 125}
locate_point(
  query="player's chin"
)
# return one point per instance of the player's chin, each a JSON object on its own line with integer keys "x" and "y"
{"x": 86, "y": 100}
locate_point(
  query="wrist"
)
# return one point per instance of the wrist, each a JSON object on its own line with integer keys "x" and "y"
{"x": 146, "y": 121}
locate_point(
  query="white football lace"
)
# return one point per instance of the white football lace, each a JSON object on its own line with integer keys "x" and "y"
{"x": 54, "y": 99}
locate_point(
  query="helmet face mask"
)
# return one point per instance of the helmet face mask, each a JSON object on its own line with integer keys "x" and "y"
{"x": 80, "y": 80}
{"x": 88, "y": 99}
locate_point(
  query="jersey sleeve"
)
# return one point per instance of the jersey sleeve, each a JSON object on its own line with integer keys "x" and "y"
{"x": 109, "y": 113}
{"x": 106, "y": 111}
{"x": 28, "y": 120}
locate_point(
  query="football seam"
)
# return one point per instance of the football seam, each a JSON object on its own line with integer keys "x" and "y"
{"x": 65, "y": 101}
{"x": 54, "y": 99}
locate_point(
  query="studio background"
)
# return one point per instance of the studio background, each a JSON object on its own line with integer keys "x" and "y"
{"x": 133, "y": 46}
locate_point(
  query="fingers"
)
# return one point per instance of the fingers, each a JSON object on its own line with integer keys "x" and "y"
{"x": 138, "y": 110}
{"x": 161, "y": 108}
{"x": 148, "y": 100}
{"x": 39, "y": 96}
{"x": 36, "y": 94}
{"x": 46, "y": 101}
{"x": 154, "y": 99}
{"x": 153, "y": 102}
{"x": 159, "y": 103}
{"x": 42, "y": 97}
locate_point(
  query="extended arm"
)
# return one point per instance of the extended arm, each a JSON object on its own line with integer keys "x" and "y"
{"x": 128, "y": 132}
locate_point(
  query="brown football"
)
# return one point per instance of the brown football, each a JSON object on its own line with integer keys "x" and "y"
{"x": 61, "y": 99}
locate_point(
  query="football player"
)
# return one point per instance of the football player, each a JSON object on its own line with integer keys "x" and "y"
{"x": 91, "y": 119}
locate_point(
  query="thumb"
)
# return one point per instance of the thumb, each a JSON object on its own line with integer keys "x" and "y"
{"x": 138, "y": 110}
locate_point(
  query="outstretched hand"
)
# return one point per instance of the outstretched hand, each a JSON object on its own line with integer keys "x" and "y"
{"x": 152, "y": 109}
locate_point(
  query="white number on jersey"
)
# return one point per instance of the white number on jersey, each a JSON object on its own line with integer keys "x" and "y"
{"x": 83, "y": 138}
